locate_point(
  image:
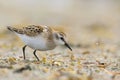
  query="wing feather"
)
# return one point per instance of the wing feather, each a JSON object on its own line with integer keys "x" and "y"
{"x": 33, "y": 30}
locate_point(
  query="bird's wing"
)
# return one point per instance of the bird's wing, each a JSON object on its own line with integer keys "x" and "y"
{"x": 33, "y": 30}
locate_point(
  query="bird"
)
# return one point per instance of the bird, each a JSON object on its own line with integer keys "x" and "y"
{"x": 39, "y": 38}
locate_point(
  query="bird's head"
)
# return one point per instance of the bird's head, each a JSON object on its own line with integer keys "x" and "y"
{"x": 60, "y": 39}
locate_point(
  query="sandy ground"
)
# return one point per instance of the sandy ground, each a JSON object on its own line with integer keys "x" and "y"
{"x": 93, "y": 59}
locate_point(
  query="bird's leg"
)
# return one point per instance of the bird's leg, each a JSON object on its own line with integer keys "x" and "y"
{"x": 35, "y": 55}
{"x": 24, "y": 51}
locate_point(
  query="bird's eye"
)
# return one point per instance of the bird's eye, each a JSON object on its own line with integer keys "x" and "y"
{"x": 61, "y": 38}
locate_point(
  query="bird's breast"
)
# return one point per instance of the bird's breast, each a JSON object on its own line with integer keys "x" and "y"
{"x": 37, "y": 42}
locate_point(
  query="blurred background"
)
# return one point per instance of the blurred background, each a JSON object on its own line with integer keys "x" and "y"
{"x": 89, "y": 20}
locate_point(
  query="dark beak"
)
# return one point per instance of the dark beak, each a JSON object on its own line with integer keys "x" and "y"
{"x": 66, "y": 44}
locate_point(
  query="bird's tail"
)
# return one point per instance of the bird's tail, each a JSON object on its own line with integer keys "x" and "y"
{"x": 19, "y": 31}
{"x": 10, "y": 28}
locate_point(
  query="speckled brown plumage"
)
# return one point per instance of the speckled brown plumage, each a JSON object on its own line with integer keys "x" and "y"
{"x": 33, "y": 30}
{"x": 30, "y": 30}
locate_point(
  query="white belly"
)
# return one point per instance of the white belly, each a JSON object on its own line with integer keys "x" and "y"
{"x": 38, "y": 42}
